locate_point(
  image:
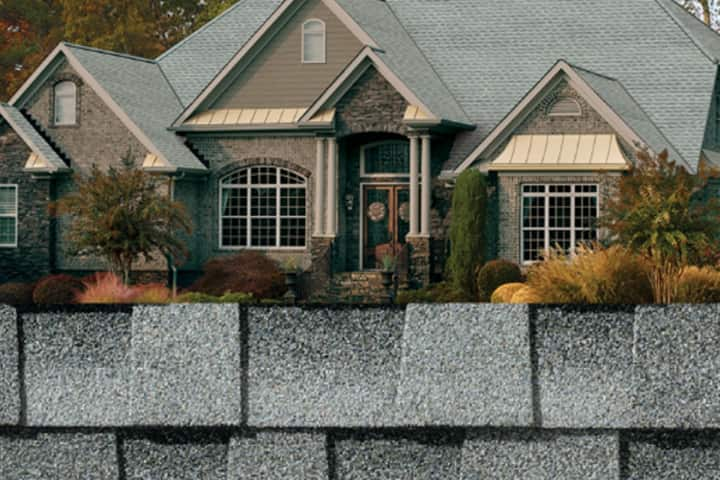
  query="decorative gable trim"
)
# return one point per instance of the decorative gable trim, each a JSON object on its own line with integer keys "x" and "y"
{"x": 522, "y": 109}
{"x": 248, "y": 52}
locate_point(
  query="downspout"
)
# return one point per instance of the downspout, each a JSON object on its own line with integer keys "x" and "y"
{"x": 170, "y": 260}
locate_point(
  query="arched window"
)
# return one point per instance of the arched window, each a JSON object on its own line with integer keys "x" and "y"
{"x": 263, "y": 207}
{"x": 565, "y": 107}
{"x": 313, "y": 41}
{"x": 65, "y": 103}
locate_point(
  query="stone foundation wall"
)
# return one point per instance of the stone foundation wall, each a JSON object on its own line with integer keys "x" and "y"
{"x": 221, "y": 392}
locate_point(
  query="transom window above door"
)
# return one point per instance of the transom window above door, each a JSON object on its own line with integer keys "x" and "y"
{"x": 557, "y": 216}
{"x": 263, "y": 207}
{"x": 385, "y": 159}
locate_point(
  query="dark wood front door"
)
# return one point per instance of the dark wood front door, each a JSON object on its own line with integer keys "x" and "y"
{"x": 386, "y": 217}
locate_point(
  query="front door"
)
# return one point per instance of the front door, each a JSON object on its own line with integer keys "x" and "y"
{"x": 386, "y": 223}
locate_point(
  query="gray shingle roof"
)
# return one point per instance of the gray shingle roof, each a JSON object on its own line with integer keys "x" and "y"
{"x": 31, "y": 136}
{"x": 490, "y": 57}
{"x": 141, "y": 90}
{"x": 192, "y": 64}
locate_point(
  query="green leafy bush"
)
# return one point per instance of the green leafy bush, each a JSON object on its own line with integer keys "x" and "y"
{"x": 438, "y": 293}
{"x": 248, "y": 272}
{"x": 594, "y": 276}
{"x": 196, "y": 297}
{"x": 467, "y": 230}
{"x": 494, "y": 274}
{"x": 17, "y": 293}
{"x": 57, "y": 290}
{"x": 505, "y": 293}
{"x": 699, "y": 285}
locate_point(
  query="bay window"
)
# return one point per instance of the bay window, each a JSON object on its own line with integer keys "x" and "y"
{"x": 561, "y": 216}
{"x": 263, "y": 207}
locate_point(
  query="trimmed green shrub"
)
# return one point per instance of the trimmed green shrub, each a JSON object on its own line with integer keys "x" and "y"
{"x": 196, "y": 297}
{"x": 438, "y": 293}
{"x": 495, "y": 274}
{"x": 505, "y": 293}
{"x": 17, "y": 293}
{"x": 57, "y": 290}
{"x": 248, "y": 272}
{"x": 467, "y": 231}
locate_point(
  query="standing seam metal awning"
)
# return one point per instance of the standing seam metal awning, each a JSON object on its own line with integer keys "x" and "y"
{"x": 561, "y": 153}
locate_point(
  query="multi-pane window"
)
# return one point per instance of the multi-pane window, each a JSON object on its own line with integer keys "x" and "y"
{"x": 65, "y": 103}
{"x": 263, "y": 207}
{"x": 313, "y": 41}
{"x": 388, "y": 158}
{"x": 557, "y": 216}
{"x": 8, "y": 215}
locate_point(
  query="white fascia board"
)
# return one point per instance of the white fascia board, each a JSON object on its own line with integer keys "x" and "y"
{"x": 41, "y": 70}
{"x": 51, "y": 168}
{"x": 577, "y": 83}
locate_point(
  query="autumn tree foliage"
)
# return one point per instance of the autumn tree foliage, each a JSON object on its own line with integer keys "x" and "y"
{"x": 659, "y": 212}
{"x": 123, "y": 216}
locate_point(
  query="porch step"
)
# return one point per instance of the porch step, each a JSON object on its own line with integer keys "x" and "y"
{"x": 358, "y": 287}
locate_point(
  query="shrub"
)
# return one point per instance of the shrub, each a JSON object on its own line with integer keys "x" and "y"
{"x": 57, "y": 290}
{"x": 699, "y": 285}
{"x": 17, "y": 293}
{"x": 526, "y": 295}
{"x": 438, "y": 293}
{"x": 247, "y": 272}
{"x": 195, "y": 297}
{"x": 505, "y": 293}
{"x": 493, "y": 275}
{"x": 105, "y": 288}
{"x": 467, "y": 230}
{"x": 593, "y": 276}
{"x": 153, "y": 294}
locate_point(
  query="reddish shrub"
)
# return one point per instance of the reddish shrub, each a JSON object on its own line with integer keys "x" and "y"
{"x": 104, "y": 288}
{"x": 247, "y": 272}
{"x": 151, "y": 294}
{"x": 57, "y": 290}
{"x": 17, "y": 293}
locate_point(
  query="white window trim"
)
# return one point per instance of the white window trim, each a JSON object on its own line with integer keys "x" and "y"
{"x": 324, "y": 43}
{"x": 75, "y": 103}
{"x": 16, "y": 215}
{"x": 364, "y": 148}
{"x": 546, "y": 228}
{"x": 249, "y": 186}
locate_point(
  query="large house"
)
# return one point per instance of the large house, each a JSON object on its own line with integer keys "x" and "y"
{"x": 330, "y": 132}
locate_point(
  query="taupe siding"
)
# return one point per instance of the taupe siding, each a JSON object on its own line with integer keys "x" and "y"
{"x": 278, "y": 78}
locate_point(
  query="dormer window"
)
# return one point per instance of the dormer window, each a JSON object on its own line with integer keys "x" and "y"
{"x": 313, "y": 41}
{"x": 65, "y": 107}
{"x": 565, "y": 107}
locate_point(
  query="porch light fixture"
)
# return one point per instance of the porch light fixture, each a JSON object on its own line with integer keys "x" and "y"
{"x": 349, "y": 202}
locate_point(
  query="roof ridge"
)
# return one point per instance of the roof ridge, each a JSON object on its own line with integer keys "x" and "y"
{"x": 687, "y": 33}
{"x": 109, "y": 52}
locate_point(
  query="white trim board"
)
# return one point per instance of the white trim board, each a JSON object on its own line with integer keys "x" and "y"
{"x": 52, "y": 168}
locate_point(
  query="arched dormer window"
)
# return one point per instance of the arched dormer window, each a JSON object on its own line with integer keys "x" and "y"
{"x": 65, "y": 103}
{"x": 313, "y": 41}
{"x": 263, "y": 207}
{"x": 565, "y": 107}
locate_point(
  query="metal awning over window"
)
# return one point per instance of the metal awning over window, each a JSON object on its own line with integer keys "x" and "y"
{"x": 561, "y": 153}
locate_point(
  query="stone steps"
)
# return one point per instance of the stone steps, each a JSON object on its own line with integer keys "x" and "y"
{"x": 358, "y": 287}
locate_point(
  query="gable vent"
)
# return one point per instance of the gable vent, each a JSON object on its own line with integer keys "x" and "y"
{"x": 565, "y": 107}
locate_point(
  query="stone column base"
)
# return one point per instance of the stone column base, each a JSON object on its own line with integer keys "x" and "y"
{"x": 419, "y": 275}
{"x": 321, "y": 270}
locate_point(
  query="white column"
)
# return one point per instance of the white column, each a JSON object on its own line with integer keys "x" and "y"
{"x": 426, "y": 187}
{"x": 332, "y": 188}
{"x": 319, "y": 215}
{"x": 414, "y": 186}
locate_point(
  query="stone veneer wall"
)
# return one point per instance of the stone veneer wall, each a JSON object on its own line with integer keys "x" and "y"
{"x": 223, "y": 392}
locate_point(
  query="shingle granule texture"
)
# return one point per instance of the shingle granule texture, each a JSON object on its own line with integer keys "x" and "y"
{"x": 466, "y": 365}
{"x": 664, "y": 456}
{"x": 9, "y": 368}
{"x": 278, "y": 456}
{"x": 177, "y": 456}
{"x": 76, "y": 369}
{"x": 323, "y": 367}
{"x": 374, "y": 457}
{"x": 186, "y": 362}
{"x": 540, "y": 456}
{"x": 677, "y": 359}
{"x": 585, "y": 363}
{"x": 58, "y": 456}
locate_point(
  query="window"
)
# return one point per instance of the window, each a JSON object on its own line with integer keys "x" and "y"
{"x": 565, "y": 107}
{"x": 557, "y": 216}
{"x": 8, "y": 215}
{"x": 386, "y": 159}
{"x": 263, "y": 207}
{"x": 313, "y": 42}
{"x": 65, "y": 103}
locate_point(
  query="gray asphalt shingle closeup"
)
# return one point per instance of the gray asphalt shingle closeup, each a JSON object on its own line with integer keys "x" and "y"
{"x": 36, "y": 142}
